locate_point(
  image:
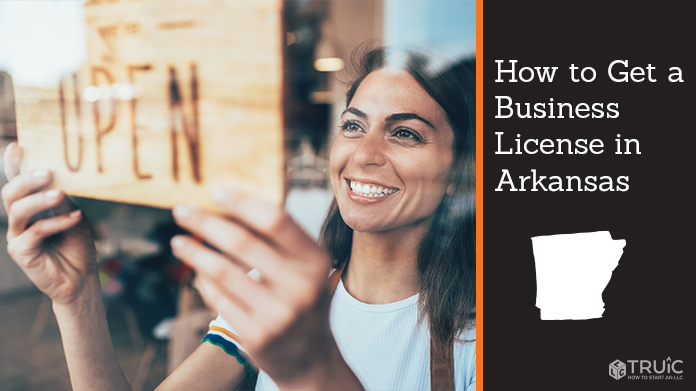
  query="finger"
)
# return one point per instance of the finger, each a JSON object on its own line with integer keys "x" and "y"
{"x": 270, "y": 222}
{"x": 229, "y": 237}
{"x": 23, "y": 210}
{"x": 42, "y": 229}
{"x": 12, "y": 160}
{"x": 23, "y": 185}
{"x": 229, "y": 277}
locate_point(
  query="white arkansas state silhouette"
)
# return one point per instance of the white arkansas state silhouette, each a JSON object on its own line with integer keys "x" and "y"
{"x": 572, "y": 271}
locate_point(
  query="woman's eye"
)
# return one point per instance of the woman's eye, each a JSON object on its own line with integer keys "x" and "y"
{"x": 350, "y": 127}
{"x": 407, "y": 134}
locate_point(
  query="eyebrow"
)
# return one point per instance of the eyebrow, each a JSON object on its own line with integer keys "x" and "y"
{"x": 392, "y": 118}
{"x": 355, "y": 111}
{"x": 407, "y": 116}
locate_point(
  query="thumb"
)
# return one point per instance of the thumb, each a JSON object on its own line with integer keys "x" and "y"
{"x": 12, "y": 160}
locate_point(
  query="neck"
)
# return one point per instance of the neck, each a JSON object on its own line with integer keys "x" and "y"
{"x": 383, "y": 266}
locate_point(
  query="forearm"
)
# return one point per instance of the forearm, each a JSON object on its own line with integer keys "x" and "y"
{"x": 207, "y": 368}
{"x": 89, "y": 352}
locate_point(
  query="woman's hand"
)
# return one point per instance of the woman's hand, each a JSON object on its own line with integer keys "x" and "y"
{"x": 283, "y": 317}
{"x": 46, "y": 235}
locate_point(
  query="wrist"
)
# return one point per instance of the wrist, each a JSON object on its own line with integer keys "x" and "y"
{"x": 84, "y": 299}
{"x": 331, "y": 373}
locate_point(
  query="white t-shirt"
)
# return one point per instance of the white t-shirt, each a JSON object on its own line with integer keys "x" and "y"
{"x": 384, "y": 344}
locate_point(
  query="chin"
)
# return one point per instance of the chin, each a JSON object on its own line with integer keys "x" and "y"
{"x": 362, "y": 223}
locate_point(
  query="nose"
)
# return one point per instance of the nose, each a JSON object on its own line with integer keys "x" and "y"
{"x": 370, "y": 150}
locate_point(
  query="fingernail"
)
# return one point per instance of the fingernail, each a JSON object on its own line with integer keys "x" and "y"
{"x": 219, "y": 195}
{"x": 182, "y": 212}
{"x": 75, "y": 214}
{"x": 53, "y": 193}
{"x": 177, "y": 243}
{"x": 41, "y": 173}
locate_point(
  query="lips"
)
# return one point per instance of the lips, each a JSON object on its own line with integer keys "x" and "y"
{"x": 368, "y": 189}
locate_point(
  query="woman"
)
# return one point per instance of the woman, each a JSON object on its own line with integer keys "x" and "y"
{"x": 400, "y": 232}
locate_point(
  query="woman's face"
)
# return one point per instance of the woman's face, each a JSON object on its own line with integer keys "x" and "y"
{"x": 391, "y": 159}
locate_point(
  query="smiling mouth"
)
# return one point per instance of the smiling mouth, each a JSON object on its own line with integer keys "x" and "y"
{"x": 369, "y": 189}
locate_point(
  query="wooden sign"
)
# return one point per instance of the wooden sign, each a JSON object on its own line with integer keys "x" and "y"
{"x": 175, "y": 98}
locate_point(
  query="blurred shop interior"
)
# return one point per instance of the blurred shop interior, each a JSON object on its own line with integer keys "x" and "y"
{"x": 156, "y": 317}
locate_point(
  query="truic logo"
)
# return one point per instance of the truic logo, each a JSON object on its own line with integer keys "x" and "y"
{"x": 667, "y": 369}
{"x": 617, "y": 369}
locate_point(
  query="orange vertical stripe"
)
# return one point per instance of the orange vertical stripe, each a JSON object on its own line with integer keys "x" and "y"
{"x": 479, "y": 195}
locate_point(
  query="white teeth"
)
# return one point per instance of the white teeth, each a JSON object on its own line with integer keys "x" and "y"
{"x": 370, "y": 190}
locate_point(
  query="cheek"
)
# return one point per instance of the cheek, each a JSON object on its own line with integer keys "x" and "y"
{"x": 428, "y": 179}
{"x": 338, "y": 157}
{"x": 429, "y": 173}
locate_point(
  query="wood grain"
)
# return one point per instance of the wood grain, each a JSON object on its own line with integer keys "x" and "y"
{"x": 175, "y": 98}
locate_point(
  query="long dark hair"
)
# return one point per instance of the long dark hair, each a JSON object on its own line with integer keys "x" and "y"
{"x": 447, "y": 253}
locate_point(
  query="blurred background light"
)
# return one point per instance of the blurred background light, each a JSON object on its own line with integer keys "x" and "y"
{"x": 328, "y": 64}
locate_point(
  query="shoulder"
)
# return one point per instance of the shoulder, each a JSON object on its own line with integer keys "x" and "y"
{"x": 465, "y": 359}
{"x": 465, "y": 345}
